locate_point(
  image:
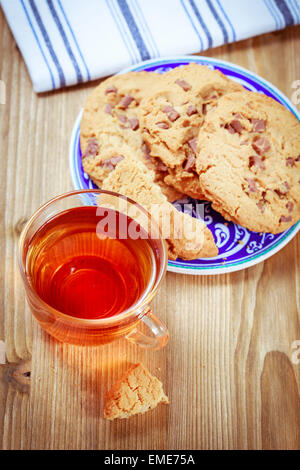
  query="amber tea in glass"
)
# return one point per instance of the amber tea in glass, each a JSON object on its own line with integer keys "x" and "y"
{"x": 84, "y": 285}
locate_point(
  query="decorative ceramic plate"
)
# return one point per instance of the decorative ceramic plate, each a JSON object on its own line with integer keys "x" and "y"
{"x": 239, "y": 248}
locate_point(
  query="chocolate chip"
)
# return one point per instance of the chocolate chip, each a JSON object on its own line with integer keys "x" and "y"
{"x": 237, "y": 126}
{"x": 256, "y": 161}
{"x": 111, "y": 163}
{"x": 125, "y": 101}
{"x": 107, "y": 164}
{"x": 160, "y": 166}
{"x": 204, "y": 109}
{"x": 162, "y": 125}
{"x": 122, "y": 118}
{"x": 108, "y": 108}
{"x": 193, "y": 144}
{"x": 252, "y": 185}
{"x": 214, "y": 96}
{"x": 259, "y": 125}
{"x": 290, "y": 206}
{"x": 91, "y": 149}
{"x": 290, "y": 161}
{"x": 191, "y": 110}
{"x": 234, "y": 126}
{"x": 134, "y": 123}
{"x": 184, "y": 85}
{"x": 297, "y": 159}
{"x": 173, "y": 115}
{"x": 111, "y": 89}
{"x": 261, "y": 206}
{"x": 189, "y": 163}
{"x": 115, "y": 160}
{"x": 167, "y": 109}
{"x": 230, "y": 128}
{"x": 284, "y": 188}
{"x": 283, "y": 218}
{"x": 146, "y": 151}
{"x": 261, "y": 145}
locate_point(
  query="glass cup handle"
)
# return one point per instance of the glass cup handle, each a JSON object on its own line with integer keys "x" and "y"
{"x": 159, "y": 337}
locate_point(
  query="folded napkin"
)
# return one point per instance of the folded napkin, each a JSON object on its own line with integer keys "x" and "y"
{"x": 65, "y": 42}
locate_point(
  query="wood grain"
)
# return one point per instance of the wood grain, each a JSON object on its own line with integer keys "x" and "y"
{"x": 227, "y": 368}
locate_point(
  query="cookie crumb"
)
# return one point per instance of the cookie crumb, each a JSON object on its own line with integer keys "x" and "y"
{"x": 136, "y": 392}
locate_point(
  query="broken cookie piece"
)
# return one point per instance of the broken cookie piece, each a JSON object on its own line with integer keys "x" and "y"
{"x": 136, "y": 392}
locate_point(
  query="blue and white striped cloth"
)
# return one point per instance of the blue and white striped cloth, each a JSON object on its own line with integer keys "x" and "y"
{"x": 65, "y": 42}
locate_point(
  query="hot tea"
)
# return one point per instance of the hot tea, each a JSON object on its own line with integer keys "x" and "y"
{"x": 83, "y": 273}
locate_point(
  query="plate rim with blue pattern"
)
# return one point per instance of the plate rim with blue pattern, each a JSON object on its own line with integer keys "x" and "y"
{"x": 231, "y": 239}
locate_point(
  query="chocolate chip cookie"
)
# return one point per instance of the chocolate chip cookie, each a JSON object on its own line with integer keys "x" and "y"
{"x": 110, "y": 127}
{"x": 248, "y": 162}
{"x": 186, "y": 236}
{"x": 171, "y": 117}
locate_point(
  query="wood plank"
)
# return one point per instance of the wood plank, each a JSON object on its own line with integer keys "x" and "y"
{"x": 227, "y": 368}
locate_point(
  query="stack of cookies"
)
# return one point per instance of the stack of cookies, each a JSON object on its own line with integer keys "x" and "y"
{"x": 193, "y": 131}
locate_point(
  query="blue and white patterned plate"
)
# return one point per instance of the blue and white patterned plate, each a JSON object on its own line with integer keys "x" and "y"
{"x": 239, "y": 248}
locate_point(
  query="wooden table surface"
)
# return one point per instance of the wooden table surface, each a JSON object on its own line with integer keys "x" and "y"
{"x": 228, "y": 369}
